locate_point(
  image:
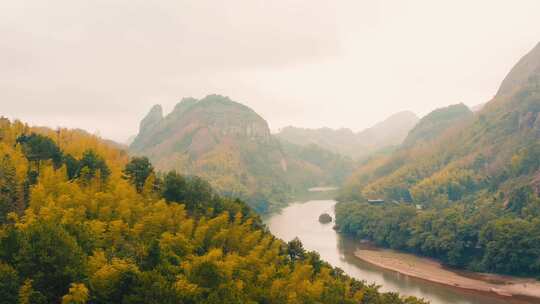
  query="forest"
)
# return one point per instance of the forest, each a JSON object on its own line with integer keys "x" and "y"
{"x": 82, "y": 222}
{"x": 469, "y": 196}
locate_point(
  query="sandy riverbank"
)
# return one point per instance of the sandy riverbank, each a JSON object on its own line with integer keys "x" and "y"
{"x": 431, "y": 270}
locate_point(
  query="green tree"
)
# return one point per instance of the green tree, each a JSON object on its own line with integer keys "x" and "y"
{"x": 296, "y": 250}
{"x": 90, "y": 164}
{"x": 137, "y": 171}
{"x": 193, "y": 191}
{"x": 38, "y": 148}
{"x": 72, "y": 165}
{"x": 9, "y": 284}
{"x": 51, "y": 258}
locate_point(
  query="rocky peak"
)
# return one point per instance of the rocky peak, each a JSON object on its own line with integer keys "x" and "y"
{"x": 184, "y": 105}
{"x": 229, "y": 118}
{"x": 526, "y": 69}
{"x": 151, "y": 119}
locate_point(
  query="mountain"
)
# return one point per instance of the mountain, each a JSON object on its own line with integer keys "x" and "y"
{"x": 478, "y": 107}
{"x": 464, "y": 196}
{"x": 392, "y": 131}
{"x": 230, "y": 145}
{"x": 77, "y": 227}
{"x": 526, "y": 68}
{"x": 436, "y": 123}
{"x": 218, "y": 139}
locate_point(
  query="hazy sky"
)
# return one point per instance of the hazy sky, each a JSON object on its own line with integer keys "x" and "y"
{"x": 101, "y": 64}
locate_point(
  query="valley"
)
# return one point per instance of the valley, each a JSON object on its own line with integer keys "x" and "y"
{"x": 270, "y": 152}
{"x": 363, "y": 261}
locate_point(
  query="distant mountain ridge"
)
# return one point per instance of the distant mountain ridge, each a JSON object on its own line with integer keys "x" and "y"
{"x": 230, "y": 145}
{"x": 436, "y": 123}
{"x": 457, "y": 136}
{"x": 390, "y": 132}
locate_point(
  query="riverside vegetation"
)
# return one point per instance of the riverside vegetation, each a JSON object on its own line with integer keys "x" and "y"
{"x": 464, "y": 188}
{"x": 81, "y": 222}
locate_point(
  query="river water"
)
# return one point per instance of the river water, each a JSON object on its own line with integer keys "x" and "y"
{"x": 301, "y": 220}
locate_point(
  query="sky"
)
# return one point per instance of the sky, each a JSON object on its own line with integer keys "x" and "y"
{"x": 100, "y": 65}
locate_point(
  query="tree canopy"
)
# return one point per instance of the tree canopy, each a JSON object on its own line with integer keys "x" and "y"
{"x": 101, "y": 228}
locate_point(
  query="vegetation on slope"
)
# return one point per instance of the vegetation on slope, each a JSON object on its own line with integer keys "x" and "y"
{"x": 82, "y": 223}
{"x": 436, "y": 123}
{"x": 469, "y": 196}
{"x": 230, "y": 145}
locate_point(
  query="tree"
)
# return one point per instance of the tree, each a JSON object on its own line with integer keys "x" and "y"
{"x": 27, "y": 294}
{"x": 78, "y": 294}
{"x": 519, "y": 198}
{"x": 296, "y": 250}
{"x": 509, "y": 247}
{"x": 8, "y": 187}
{"x": 193, "y": 191}
{"x": 38, "y": 148}
{"x": 137, "y": 171}
{"x": 9, "y": 284}
{"x": 72, "y": 166}
{"x": 51, "y": 258}
{"x": 90, "y": 164}
{"x": 174, "y": 187}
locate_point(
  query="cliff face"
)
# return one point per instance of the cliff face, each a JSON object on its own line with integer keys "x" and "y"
{"x": 216, "y": 138}
{"x": 197, "y": 125}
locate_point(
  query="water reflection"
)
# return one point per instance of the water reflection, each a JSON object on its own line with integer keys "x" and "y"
{"x": 301, "y": 220}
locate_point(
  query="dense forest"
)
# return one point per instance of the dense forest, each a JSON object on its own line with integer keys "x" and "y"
{"x": 81, "y": 222}
{"x": 463, "y": 190}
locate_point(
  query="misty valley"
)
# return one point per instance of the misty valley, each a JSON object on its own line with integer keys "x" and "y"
{"x": 256, "y": 152}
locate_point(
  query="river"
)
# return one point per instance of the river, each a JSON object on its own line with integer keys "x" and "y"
{"x": 301, "y": 220}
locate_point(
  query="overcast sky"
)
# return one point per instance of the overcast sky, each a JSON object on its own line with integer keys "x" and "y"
{"x": 101, "y": 64}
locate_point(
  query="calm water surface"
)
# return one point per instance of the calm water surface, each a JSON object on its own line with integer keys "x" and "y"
{"x": 301, "y": 220}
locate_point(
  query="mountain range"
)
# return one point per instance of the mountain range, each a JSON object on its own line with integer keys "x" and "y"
{"x": 357, "y": 145}
{"x": 231, "y": 146}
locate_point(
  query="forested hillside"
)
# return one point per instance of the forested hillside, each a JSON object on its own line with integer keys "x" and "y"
{"x": 469, "y": 195}
{"x": 230, "y": 145}
{"x": 436, "y": 123}
{"x": 80, "y": 222}
{"x": 356, "y": 145}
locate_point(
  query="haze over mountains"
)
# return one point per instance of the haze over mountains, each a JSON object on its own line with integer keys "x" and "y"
{"x": 269, "y": 152}
{"x": 230, "y": 145}
{"x": 390, "y": 132}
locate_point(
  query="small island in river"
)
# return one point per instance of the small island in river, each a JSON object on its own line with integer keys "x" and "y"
{"x": 325, "y": 218}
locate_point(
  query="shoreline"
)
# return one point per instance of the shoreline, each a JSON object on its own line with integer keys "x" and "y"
{"x": 432, "y": 271}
